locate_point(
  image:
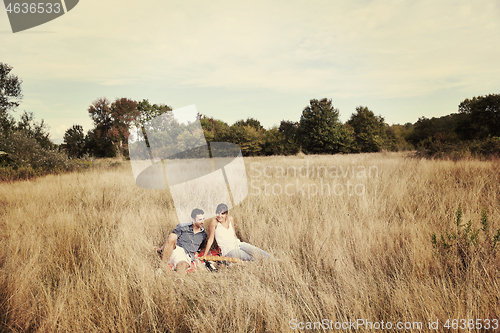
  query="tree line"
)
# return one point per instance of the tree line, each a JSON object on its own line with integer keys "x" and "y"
{"x": 319, "y": 131}
{"x": 25, "y": 145}
{"x": 474, "y": 130}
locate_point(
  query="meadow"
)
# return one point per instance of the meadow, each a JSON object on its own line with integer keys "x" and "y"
{"x": 351, "y": 237}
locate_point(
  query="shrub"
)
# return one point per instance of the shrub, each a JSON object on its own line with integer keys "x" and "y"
{"x": 487, "y": 148}
{"x": 459, "y": 247}
{"x": 24, "y": 158}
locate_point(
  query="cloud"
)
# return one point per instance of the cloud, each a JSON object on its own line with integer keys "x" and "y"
{"x": 374, "y": 49}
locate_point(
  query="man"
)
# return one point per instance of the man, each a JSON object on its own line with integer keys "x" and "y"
{"x": 181, "y": 245}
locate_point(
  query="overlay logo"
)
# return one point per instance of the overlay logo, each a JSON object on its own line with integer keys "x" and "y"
{"x": 26, "y": 14}
{"x": 171, "y": 151}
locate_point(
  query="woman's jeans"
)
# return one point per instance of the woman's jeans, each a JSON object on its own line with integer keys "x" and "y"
{"x": 248, "y": 252}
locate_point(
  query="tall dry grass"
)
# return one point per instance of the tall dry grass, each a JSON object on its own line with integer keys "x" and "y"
{"x": 76, "y": 250}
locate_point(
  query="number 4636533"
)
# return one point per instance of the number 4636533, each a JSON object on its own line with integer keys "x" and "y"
{"x": 34, "y": 8}
{"x": 471, "y": 324}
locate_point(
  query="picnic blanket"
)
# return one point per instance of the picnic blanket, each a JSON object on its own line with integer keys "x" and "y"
{"x": 212, "y": 262}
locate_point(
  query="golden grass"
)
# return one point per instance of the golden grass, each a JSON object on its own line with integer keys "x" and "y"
{"x": 76, "y": 250}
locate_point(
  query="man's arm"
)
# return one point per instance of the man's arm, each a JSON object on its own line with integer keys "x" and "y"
{"x": 178, "y": 230}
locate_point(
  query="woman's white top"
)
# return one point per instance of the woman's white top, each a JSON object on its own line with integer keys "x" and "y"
{"x": 226, "y": 238}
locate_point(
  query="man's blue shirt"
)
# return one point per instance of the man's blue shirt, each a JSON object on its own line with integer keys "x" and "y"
{"x": 187, "y": 239}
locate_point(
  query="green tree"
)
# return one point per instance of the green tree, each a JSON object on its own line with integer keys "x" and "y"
{"x": 370, "y": 130}
{"x": 290, "y": 131}
{"x": 98, "y": 141}
{"x": 28, "y": 127}
{"x": 250, "y": 122}
{"x": 74, "y": 141}
{"x": 321, "y": 131}
{"x": 25, "y": 146}
{"x": 397, "y": 137}
{"x": 215, "y": 130}
{"x": 38, "y": 131}
{"x": 148, "y": 111}
{"x": 482, "y": 117}
{"x": 7, "y": 124}
{"x": 274, "y": 142}
{"x": 443, "y": 129}
{"x": 148, "y": 118}
{"x": 10, "y": 90}
{"x": 250, "y": 140}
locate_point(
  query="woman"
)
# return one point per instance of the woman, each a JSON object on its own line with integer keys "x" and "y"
{"x": 222, "y": 228}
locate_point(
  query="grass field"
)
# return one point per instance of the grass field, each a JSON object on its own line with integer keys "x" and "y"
{"x": 350, "y": 234}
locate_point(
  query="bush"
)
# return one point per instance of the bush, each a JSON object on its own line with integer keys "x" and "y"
{"x": 461, "y": 246}
{"x": 24, "y": 158}
{"x": 24, "y": 150}
{"x": 488, "y": 148}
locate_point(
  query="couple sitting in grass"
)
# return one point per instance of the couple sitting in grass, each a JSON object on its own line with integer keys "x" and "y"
{"x": 182, "y": 245}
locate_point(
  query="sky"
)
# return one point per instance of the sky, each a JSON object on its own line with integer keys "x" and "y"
{"x": 261, "y": 59}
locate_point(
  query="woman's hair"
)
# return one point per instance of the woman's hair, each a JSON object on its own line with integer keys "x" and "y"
{"x": 221, "y": 208}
